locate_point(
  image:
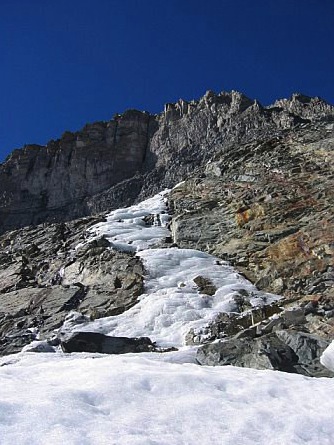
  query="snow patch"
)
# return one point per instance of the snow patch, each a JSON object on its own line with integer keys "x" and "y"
{"x": 126, "y": 228}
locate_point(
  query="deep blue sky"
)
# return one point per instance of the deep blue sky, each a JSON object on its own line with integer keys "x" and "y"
{"x": 68, "y": 62}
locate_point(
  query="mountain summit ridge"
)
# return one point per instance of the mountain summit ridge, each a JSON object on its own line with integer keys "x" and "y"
{"x": 83, "y": 172}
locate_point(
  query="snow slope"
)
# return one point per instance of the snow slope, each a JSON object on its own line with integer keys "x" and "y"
{"x": 83, "y": 399}
{"x": 160, "y": 398}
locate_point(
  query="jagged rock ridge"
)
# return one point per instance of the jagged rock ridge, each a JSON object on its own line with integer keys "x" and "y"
{"x": 110, "y": 164}
{"x": 52, "y": 183}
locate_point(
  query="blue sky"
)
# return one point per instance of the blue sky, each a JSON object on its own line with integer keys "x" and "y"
{"x": 68, "y": 62}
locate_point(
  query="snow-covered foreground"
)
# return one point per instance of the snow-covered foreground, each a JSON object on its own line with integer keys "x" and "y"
{"x": 160, "y": 398}
{"x": 81, "y": 399}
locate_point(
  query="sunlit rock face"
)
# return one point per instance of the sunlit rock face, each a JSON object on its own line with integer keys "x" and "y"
{"x": 267, "y": 207}
{"x": 110, "y": 164}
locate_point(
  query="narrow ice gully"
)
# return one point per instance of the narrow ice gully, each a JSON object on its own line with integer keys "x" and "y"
{"x": 172, "y": 303}
{"x": 160, "y": 399}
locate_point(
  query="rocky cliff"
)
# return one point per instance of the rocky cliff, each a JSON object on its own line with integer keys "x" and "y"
{"x": 109, "y": 164}
{"x": 52, "y": 183}
{"x": 255, "y": 188}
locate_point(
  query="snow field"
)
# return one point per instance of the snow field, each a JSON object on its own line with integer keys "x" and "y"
{"x": 85, "y": 399}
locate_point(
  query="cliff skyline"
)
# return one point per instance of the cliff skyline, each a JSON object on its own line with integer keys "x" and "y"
{"x": 68, "y": 63}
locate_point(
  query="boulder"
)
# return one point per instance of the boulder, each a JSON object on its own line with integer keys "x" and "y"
{"x": 267, "y": 352}
{"x": 308, "y": 348}
{"x": 104, "y": 344}
{"x": 205, "y": 286}
{"x": 287, "y": 351}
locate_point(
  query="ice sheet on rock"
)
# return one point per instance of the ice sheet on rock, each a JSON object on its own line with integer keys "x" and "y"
{"x": 126, "y": 229}
{"x": 84, "y": 399}
{"x": 327, "y": 357}
{"x": 172, "y": 303}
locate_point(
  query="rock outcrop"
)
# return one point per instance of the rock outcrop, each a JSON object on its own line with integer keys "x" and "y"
{"x": 288, "y": 351}
{"x": 257, "y": 191}
{"x": 111, "y": 164}
{"x": 53, "y": 183}
{"x": 267, "y": 207}
{"x": 44, "y": 276}
{"x": 273, "y": 338}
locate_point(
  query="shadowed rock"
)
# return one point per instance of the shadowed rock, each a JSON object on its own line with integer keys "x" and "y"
{"x": 288, "y": 351}
{"x": 96, "y": 342}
